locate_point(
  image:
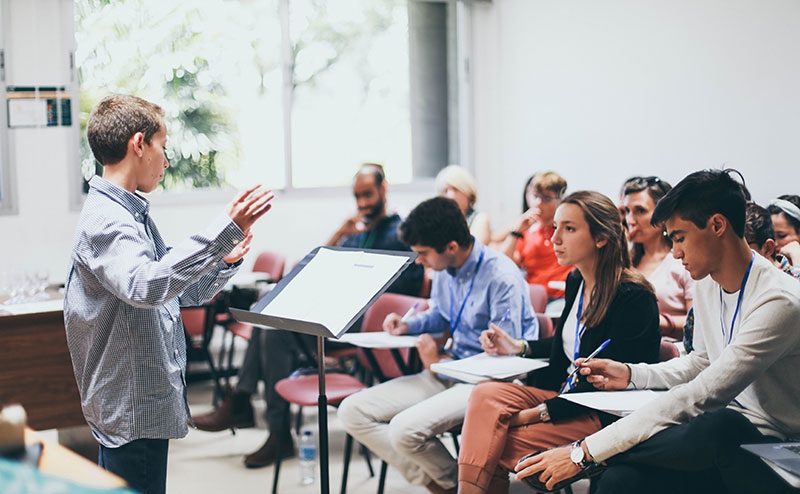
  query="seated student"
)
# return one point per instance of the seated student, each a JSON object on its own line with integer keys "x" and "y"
{"x": 399, "y": 420}
{"x": 273, "y": 355}
{"x": 760, "y": 236}
{"x": 605, "y": 300}
{"x": 785, "y": 211}
{"x": 738, "y": 386}
{"x": 650, "y": 254}
{"x": 457, "y": 183}
{"x": 528, "y": 243}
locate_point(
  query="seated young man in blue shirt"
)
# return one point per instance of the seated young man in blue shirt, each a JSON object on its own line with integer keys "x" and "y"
{"x": 399, "y": 420}
{"x": 125, "y": 288}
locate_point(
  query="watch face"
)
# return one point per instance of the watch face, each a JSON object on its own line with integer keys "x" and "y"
{"x": 576, "y": 455}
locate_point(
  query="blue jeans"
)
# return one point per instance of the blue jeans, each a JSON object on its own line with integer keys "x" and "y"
{"x": 141, "y": 463}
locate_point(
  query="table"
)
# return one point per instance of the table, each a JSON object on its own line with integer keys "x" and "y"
{"x": 35, "y": 367}
{"x": 58, "y": 461}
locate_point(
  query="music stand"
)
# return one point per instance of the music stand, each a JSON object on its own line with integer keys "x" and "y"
{"x": 287, "y": 306}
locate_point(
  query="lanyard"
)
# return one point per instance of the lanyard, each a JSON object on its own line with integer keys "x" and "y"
{"x": 578, "y": 331}
{"x": 738, "y": 303}
{"x": 454, "y": 323}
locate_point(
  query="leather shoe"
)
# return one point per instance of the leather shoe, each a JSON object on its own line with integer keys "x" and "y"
{"x": 265, "y": 456}
{"x": 537, "y": 485}
{"x": 235, "y": 411}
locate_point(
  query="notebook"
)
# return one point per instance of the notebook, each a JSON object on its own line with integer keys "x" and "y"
{"x": 783, "y": 455}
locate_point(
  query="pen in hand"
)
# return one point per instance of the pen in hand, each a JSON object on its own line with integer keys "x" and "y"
{"x": 568, "y": 384}
{"x": 409, "y": 313}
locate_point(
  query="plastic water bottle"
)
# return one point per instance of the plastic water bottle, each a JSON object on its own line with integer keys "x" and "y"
{"x": 308, "y": 457}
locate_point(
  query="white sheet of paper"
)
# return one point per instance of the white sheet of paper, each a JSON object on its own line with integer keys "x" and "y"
{"x": 376, "y": 339}
{"x": 489, "y": 366}
{"x": 614, "y": 402}
{"x": 356, "y": 275}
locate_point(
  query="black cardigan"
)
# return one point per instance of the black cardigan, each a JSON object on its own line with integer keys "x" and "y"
{"x": 631, "y": 323}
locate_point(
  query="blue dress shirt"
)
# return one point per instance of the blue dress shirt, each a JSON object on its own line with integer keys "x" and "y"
{"x": 487, "y": 292}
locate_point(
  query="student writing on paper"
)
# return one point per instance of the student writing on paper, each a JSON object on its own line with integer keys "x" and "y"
{"x": 400, "y": 420}
{"x": 273, "y": 354}
{"x": 738, "y": 386}
{"x": 605, "y": 299}
{"x": 125, "y": 287}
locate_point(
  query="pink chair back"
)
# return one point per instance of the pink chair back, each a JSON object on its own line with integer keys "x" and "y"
{"x": 271, "y": 263}
{"x": 373, "y": 321}
{"x": 538, "y": 298}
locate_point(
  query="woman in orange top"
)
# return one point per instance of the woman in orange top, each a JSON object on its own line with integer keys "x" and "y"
{"x": 528, "y": 244}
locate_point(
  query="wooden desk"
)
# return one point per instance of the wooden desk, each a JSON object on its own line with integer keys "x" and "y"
{"x": 36, "y": 370}
{"x": 60, "y": 462}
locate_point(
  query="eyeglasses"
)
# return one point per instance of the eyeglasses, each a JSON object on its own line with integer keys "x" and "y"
{"x": 635, "y": 184}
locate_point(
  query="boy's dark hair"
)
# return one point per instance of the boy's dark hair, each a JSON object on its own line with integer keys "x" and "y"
{"x": 115, "y": 120}
{"x": 702, "y": 194}
{"x": 758, "y": 225}
{"x": 435, "y": 223}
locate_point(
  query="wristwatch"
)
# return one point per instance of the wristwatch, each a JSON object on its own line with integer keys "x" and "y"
{"x": 578, "y": 456}
{"x": 544, "y": 413}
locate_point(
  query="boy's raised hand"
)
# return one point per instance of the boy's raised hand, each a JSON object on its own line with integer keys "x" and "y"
{"x": 250, "y": 205}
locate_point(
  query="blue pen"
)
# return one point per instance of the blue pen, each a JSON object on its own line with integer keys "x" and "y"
{"x": 505, "y": 316}
{"x": 569, "y": 383}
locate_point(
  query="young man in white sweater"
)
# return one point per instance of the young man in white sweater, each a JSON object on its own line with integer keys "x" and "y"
{"x": 739, "y": 386}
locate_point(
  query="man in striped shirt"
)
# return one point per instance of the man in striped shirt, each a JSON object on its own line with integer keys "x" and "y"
{"x": 125, "y": 288}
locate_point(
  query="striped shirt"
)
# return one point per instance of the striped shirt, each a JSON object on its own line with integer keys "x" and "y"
{"x": 122, "y": 313}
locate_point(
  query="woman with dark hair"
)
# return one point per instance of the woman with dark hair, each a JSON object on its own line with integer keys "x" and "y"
{"x": 605, "y": 300}
{"x": 650, "y": 254}
{"x": 785, "y": 211}
{"x": 528, "y": 243}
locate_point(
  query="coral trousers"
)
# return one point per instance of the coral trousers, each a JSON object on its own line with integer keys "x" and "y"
{"x": 490, "y": 449}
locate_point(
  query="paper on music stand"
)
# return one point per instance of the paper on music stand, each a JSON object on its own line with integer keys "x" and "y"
{"x": 309, "y": 297}
{"x": 482, "y": 367}
{"x": 378, "y": 340}
{"x": 618, "y": 403}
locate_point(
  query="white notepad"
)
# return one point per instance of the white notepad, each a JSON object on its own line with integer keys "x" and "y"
{"x": 483, "y": 367}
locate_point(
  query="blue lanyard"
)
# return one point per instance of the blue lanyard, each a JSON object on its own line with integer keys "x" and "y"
{"x": 738, "y": 303}
{"x": 454, "y": 324}
{"x": 578, "y": 331}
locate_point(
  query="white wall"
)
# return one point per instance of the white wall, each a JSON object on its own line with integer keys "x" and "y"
{"x": 600, "y": 91}
{"x": 596, "y": 90}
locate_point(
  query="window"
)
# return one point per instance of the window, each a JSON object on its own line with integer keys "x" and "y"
{"x": 289, "y": 93}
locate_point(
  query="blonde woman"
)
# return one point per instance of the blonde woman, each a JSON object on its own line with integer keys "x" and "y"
{"x": 456, "y": 183}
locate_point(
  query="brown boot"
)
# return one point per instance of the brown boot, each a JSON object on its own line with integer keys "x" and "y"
{"x": 265, "y": 455}
{"x": 235, "y": 411}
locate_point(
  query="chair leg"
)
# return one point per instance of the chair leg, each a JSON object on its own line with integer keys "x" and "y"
{"x": 368, "y": 458}
{"x": 278, "y": 454}
{"x": 230, "y": 360}
{"x": 455, "y": 443}
{"x": 348, "y": 451}
{"x": 382, "y": 478}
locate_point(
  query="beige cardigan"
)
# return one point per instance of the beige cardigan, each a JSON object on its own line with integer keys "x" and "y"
{"x": 763, "y": 360}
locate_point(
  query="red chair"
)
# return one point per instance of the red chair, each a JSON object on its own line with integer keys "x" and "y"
{"x": 546, "y": 328}
{"x": 271, "y": 263}
{"x": 303, "y": 391}
{"x": 198, "y": 326}
{"x": 386, "y": 364}
{"x": 538, "y": 298}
